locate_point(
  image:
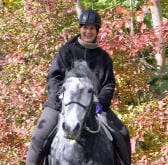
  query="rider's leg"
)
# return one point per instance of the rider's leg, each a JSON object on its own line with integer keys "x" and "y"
{"x": 46, "y": 123}
{"x": 114, "y": 120}
{"x": 120, "y": 133}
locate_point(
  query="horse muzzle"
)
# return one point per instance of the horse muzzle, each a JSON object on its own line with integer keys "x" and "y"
{"x": 71, "y": 132}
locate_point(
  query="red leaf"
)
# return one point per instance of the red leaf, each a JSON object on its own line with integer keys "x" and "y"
{"x": 150, "y": 3}
{"x": 133, "y": 144}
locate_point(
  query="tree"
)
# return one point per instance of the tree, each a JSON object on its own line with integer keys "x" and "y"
{"x": 157, "y": 25}
{"x": 79, "y": 8}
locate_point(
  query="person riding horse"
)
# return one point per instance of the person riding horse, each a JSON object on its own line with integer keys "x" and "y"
{"x": 83, "y": 46}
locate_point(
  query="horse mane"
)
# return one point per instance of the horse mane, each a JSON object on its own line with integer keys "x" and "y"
{"x": 82, "y": 70}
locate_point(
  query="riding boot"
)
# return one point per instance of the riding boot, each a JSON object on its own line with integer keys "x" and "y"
{"x": 46, "y": 123}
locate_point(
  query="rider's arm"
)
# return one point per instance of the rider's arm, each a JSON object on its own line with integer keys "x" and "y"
{"x": 107, "y": 85}
{"x": 55, "y": 79}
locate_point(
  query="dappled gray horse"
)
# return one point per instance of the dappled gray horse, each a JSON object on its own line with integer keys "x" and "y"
{"x": 80, "y": 139}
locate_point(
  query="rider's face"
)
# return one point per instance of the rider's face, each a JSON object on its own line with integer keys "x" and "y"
{"x": 88, "y": 33}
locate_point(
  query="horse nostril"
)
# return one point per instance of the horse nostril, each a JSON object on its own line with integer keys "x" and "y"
{"x": 77, "y": 127}
{"x": 65, "y": 127}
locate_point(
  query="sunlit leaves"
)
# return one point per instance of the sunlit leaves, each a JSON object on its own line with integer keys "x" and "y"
{"x": 148, "y": 123}
{"x": 30, "y": 39}
{"x": 13, "y": 5}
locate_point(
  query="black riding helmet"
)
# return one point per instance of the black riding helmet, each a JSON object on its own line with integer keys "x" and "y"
{"x": 90, "y": 17}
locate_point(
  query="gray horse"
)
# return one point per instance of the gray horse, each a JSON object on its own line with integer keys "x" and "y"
{"x": 81, "y": 138}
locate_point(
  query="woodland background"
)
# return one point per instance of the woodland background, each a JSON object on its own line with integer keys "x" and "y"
{"x": 135, "y": 33}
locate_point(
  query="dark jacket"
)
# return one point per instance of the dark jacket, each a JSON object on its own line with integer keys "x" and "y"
{"x": 99, "y": 62}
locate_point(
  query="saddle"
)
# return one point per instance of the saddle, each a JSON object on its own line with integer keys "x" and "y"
{"x": 47, "y": 143}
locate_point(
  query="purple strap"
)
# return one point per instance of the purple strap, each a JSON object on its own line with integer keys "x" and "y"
{"x": 99, "y": 109}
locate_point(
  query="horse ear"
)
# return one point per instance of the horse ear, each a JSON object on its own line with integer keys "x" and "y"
{"x": 61, "y": 96}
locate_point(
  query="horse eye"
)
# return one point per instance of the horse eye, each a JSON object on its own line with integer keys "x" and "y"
{"x": 90, "y": 90}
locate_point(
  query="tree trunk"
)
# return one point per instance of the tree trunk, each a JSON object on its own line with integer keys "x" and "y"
{"x": 157, "y": 22}
{"x": 132, "y": 20}
{"x": 79, "y": 8}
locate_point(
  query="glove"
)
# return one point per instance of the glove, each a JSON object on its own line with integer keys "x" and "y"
{"x": 99, "y": 109}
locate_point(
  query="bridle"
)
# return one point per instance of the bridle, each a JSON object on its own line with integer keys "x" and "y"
{"x": 88, "y": 110}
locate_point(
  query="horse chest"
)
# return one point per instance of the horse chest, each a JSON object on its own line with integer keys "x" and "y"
{"x": 67, "y": 152}
{"x": 85, "y": 152}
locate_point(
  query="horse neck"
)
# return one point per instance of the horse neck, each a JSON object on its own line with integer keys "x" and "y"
{"x": 91, "y": 121}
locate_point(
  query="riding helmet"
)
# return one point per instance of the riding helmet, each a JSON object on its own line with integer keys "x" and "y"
{"x": 90, "y": 17}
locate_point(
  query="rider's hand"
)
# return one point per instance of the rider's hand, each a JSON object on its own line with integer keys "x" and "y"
{"x": 99, "y": 108}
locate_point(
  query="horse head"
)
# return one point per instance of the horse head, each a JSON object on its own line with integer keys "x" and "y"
{"x": 78, "y": 96}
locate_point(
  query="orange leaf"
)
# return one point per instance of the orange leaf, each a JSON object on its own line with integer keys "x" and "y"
{"x": 150, "y": 3}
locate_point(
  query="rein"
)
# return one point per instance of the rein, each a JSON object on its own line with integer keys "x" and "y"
{"x": 92, "y": 131}
{"x": 75, "y": 102}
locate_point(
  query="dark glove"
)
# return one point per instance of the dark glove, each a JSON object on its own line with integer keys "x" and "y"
{"x": 99, "y": 108}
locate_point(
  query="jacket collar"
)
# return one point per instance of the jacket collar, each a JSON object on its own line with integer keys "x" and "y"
{"x": 77, "y": 40}
{"x": 88, "y": 45}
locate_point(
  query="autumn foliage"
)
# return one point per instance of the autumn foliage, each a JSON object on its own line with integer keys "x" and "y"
{"x": 31, "y": 36}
